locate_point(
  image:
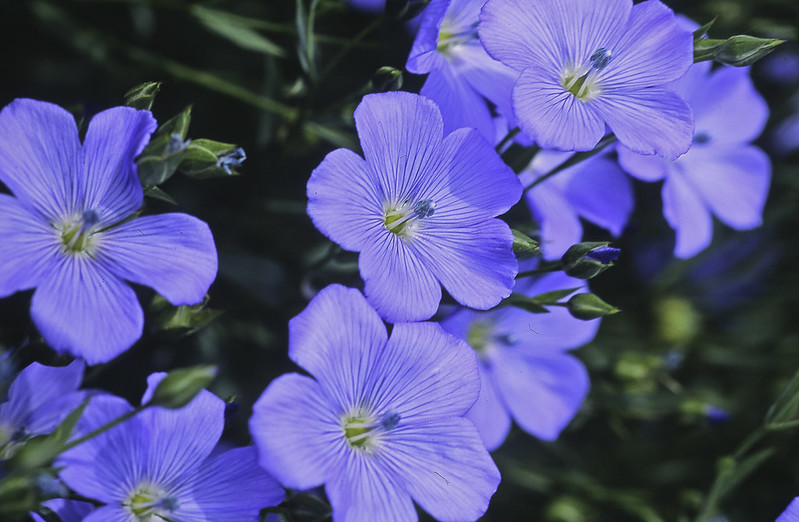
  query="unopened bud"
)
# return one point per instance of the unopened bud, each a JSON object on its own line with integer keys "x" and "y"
{"x": 179, "y": 387}
{"x": 587, "y": 260}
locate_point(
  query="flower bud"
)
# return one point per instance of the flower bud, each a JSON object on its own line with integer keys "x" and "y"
{"x": 587, "y": 260}
{"x": 589, "y": 306}
{"x": 179, "y": 387}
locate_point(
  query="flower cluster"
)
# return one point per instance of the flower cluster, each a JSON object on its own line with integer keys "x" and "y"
{"x": 386, "y": 417}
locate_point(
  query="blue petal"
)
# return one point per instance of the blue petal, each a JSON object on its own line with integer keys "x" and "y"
{"x": 553, "y": 116}
{"x": 29, "y": 244}
{"x": 791, "y": 513}
{"x": 600, "y": 192}
{"x": 297, "y": 432}
{"x": 648, "y": 121}
{"x": 109, "y": 514}
{"x": 489, "y": 414}
{"x": 329, "y": 339}
{"x": 733, "y": 181}
{"x": 645, "y": 168}
{"x": 67, "y": 510}
{"x": 475, "y": 264}
{"x": 398, "y": 284}
{"x": 437, "y": 381}
{"x": 543, "y": 392}
{"x": 82, "y": 308}
{"x": 100, "y": 468}
{"x": 687, "y": 214}
{"x": 40, "y": 156}
{"x": 445, "y": 467}
{"x": 109, "y": 181}
{"x": 41, "y": 396}
{"x": 400, "y": 134}
{"x": 344, "y": 200}
{"x": 229, "y": 487}
{"x": 461, "y": 105}
{"x": 424, "y": 55}
{"x": 560, "y": 226}
{"x": 364, "y": 491}
{"x": 172, "y": 253}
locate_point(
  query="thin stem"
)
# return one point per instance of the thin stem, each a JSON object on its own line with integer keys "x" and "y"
{"x": 716, "y": 489}
{"x": 104, "y": 428}
{"x": 508, "y": 137}
{"x": 554, "y": 267}
{"x": 574, "y": 160}
{"x": 348, "y": 47}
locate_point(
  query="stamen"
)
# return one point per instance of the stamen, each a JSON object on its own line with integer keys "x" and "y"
{"x": 362, "y": 429}
{"x": 600, "y": 58}
{"x": 389, "y": 420}
{"x": 76, "y": 236}
{"x": 400, "y": 220}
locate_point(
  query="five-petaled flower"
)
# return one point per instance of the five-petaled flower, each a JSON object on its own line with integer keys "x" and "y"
{"x": 526, "y": 371}
{"x": 420, "y": 209}
{"x": 159, "y": 464}
{"x": 68, "y": 231}
{"x": 585, "y": 64}
{"x": 381, "y": 421}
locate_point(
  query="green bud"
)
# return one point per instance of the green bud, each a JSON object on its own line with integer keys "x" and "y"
{"x": 743, "y": 50}
{"x": 386, "y": 79}
{"x": 143, "y": 95}
{"x": 211, "y": 159}
{"x": 524, "y": 246}
{"x": 181, "y": 386}
{"x": 589, "y": 306}
{"x": 589, "y": 259}
{"x": 160, "y": 158}
{"x": 182, "y": 319}
{"x": 738, "y": 51}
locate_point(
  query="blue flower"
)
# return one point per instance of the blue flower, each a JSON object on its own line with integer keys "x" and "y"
{"x": 69, "y": 233}
{"x": 38, "y": 400}
{"x": 596, "y": 190}
{"x": 158, "y": 465}
{"x": 525, "y": 370}
{"x": 791, "y": 513}
{"x": 585, "y": 64}
{"x": 420, "y": 209}
{"x": 67, "y": 510}
{"x": 461, "y": 74}
{"x": 722, "y": 174}
{"x": 381, "y": 422}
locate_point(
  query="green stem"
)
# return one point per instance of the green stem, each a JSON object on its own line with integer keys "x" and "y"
{"x": 104, "y": 428}
{"x": 709, "y": 506}
{"x": 574, "y": 160}
{"x": 554, "y": 267}
{"x": 509, "y": 136}
{"x": 348, "y": 47}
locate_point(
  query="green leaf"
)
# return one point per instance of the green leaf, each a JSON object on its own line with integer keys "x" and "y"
{"x": 211, "y": 159}
{"x": 784, "y": 409}
{"x": 179, "y": 387}
{"x": 182, "y": 319}
{"x": 41, "y": 450}
{"x": 553, "y": 296}
{"x": 732, "y": 473}
{"x": 525, "y": 303}
{"x": 306, "y": 45}
{"x": 589, "y": 306}
{"x": 702, "y": 31}
{"x": 524, "y": 246}
{"x": 157, "y": 193}
{"x": 235, "y": 29}
{"x": 143, "y": 95}
{"x": 160, "y": 158}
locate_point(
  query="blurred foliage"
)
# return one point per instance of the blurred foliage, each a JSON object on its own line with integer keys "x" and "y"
{"x": 717, "y": 333}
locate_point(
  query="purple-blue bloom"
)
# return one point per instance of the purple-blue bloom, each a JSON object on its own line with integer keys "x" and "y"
{"x": 525, "y": 370}
{"x": 596, "y": 190}
{"x": 68, "y": 233}
{"x": 420, "y": 209}
{"x": 38, "y": 400}
{"x": 586, "y": 64}
{"x": 158, "y": 465}
{"x": 461, "y": 74}
{"x": 722, "y": 174}
{"x": 791, "y": 513}
{"x": 381, "y": 421}
{"x": 67, "y": 510}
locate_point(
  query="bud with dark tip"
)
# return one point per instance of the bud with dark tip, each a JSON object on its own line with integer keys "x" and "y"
{"x": 587, "y": 260}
